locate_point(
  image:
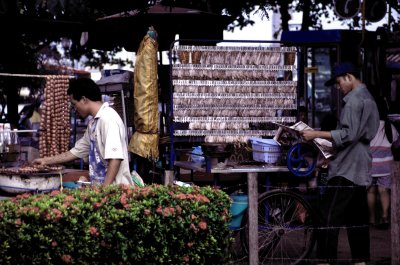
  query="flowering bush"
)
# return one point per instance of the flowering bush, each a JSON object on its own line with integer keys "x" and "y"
{"x": 117, "y": 225}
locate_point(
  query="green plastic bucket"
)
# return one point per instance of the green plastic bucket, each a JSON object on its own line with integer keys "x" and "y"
{"x": 238, "y": 208}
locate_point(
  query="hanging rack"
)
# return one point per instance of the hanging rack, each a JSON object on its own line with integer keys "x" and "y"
{"x": 34, "y": 76}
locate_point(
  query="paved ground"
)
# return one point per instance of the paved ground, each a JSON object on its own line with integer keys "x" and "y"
{"x": 380, "y": 246}
{"x": 380, "y": 249}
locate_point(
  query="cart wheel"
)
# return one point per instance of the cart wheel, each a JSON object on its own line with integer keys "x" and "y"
{"x": 301, "y": 159}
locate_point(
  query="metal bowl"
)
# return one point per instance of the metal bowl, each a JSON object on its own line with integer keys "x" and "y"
{"x": 36, "y": 182}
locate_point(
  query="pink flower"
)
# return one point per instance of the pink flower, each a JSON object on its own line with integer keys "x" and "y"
{"x": 178, "y": 209}
{"x": 203, "y": 225}
{"x": 147, "y": 212}
{"x": 93, "y": 231}
{"x": 23, "y": 196}
{"x": 185, "y": 258}
{"x": 57, "y": 214}
{"x": 55, "y": 192}
{"x": 202, "y": 198}
{"x": 168, "y": 211}
{"x": 199, "y": 198}
{"x": 97, "y": 205}
{"x": 54, "y": 244}
{"x": 18, "y": 221}
{"x": 190, "y": 244}
{"x": 66, "y": 258}
{"x": 181, "y": 196}
{"x": 123, "y": 200}
{"x": 159, "y": 210}
{"x": 69, "y": 199}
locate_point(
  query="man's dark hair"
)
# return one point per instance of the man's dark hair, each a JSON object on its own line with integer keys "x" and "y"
{"x": 84, "y": 87}
{"x": 355, "y": 74}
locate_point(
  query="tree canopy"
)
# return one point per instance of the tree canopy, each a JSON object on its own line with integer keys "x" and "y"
{"x": 33, "y": 31}
{"x": 39, "y": 28}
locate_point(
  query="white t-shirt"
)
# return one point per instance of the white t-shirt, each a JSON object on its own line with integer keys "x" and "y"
{"x": 111, "y": 141}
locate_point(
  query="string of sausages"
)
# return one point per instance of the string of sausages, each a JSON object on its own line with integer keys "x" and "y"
{"x": 55, "y": 117}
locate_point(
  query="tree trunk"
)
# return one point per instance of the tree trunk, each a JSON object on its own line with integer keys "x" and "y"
{"x": 285, "y": 16}
{"x": 306, "y": 23}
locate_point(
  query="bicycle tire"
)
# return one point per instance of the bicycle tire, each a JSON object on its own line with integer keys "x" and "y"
{"x": 286, "y": 228}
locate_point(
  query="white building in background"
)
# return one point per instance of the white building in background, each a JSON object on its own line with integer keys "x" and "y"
{"x": 263, "y": 29}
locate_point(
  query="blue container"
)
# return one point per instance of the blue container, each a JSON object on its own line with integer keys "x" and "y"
{"x": 238, "y": 208}
{"x": 70, "y": 185}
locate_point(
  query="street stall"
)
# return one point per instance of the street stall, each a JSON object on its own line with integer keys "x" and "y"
{"x": 53, "y": 137}
{"x": 225, "y": 99}
{"x": 16, "y": 175}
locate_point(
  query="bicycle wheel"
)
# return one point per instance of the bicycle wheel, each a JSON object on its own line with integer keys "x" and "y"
{"x": 286, "y": 228}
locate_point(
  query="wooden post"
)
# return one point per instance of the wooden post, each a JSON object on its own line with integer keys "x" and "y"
{"x": 395, "y": 213}
{"x": 168, "y": 177}
{"x": 253, "y": 217}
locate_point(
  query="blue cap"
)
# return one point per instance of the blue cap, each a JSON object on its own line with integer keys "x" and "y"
{"x": 341, "y": 69}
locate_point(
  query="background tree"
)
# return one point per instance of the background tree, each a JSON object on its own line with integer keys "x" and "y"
{"x": 38, "y": 25}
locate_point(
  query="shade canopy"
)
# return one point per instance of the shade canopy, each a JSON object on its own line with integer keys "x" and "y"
{"x": 128, "y": 28}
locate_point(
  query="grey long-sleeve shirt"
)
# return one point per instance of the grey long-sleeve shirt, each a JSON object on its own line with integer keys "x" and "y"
{"x": 358, "y": 124}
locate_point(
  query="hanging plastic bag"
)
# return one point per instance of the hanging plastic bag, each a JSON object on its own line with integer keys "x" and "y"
{"x": 137, "y": 179}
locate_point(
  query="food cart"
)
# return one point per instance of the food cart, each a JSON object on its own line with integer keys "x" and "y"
{"x": 224, "y": 96}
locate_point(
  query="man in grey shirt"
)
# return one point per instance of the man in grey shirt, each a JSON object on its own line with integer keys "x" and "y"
{"x": 344, "y": 202}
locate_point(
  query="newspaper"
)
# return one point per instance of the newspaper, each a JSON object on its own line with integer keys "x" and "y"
{"x": 323, "y": 145}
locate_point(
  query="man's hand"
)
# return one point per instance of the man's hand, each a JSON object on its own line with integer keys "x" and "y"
{"x": 54, "y": 160}
{"x": 39, "y": 161}
{"x": 309, "y": 135}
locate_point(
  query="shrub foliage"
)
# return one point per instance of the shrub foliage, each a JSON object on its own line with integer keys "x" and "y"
{"x": 117, "y": 225}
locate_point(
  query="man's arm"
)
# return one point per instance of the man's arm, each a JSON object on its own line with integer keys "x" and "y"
{"x": 112, "y": 171}
{"x": 311, "y": 135}
{"x": 57, "y": 159}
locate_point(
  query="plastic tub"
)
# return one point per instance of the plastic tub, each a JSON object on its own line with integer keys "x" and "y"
{"x": 238, "y": 208}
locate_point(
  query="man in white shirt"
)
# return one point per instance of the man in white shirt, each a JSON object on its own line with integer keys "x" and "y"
{"x": 104, "y": 141}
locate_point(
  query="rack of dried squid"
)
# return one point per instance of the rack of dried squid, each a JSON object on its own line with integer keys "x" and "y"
{"x": 232, "y": 94}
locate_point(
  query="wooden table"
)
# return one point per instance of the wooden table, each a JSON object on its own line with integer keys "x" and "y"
{"x": 252, "y": 186}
